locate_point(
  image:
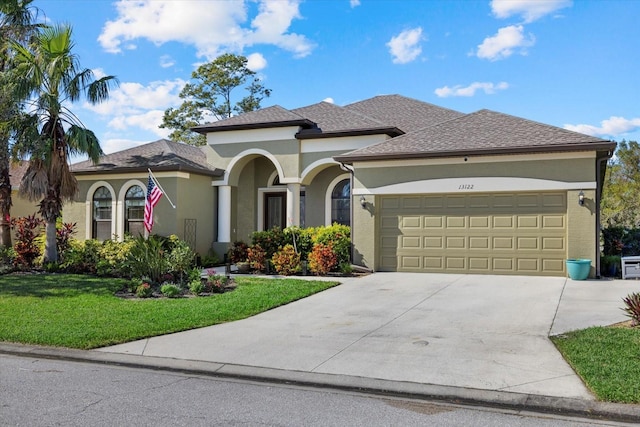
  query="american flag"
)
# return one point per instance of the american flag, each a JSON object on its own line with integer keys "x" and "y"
{"x": 153, "y": 197}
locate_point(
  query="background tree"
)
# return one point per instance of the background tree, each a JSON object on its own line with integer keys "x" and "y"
{"x": 49, "y": 77}
{"x": 208, "y": 97}
{"x": 16, "y": 23}
{"x": 620, "y": 204}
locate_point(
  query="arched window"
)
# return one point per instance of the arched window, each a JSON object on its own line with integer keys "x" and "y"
{"x": 101, "y": 229}
{"x": 341, "y": 203}
{"x": 134, "y": 211}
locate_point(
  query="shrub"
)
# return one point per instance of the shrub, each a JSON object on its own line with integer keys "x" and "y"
{"x": 170, "y": 290}
{"x": 286, "y": 261}
{"x": 112, "y": 258}
{"x": 81, "y": 256}
{"x": 148, "y": 258}
{"x": 215, "y": 282}
{"x": 270, "y": 240}
{"x": 339, "y": 237}
{"x": 632, "y": 307}
{"x": 144, "y": 290}
{"x": 27, "y": 249}
{"x": 210, "y": 259}
{"x": 322, "y": 259}
{"x": 181, "y": 258}
{"x": 196, "y": 286}
{"x": 257, "y": 258}
{"x": 64, "y": 231}
{"x": 238, "y": 252}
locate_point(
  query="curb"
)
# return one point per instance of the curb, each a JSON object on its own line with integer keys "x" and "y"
{"x": 449, "y": 394}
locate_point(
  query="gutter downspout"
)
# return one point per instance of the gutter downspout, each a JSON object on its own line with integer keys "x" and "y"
{"x": 346, "y": 168}
{"x": 599, "y": 187}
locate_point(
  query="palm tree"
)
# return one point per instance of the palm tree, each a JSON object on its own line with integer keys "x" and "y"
{"x": 16, "y": 23}
{"x": 50, "y": 77}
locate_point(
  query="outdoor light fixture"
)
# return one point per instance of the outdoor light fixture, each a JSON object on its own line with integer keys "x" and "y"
{"x": 581, "y": 198}
{"x": 363, "y": 202}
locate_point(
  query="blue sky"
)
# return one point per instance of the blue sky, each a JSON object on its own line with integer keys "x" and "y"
{"x": 572, "y": 64}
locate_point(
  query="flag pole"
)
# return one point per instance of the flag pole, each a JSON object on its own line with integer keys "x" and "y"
{"x": 160, "y": 186}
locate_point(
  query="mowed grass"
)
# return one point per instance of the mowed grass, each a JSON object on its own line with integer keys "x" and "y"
{"x": 79, "y": 311}
{"x": 607, "y": 359}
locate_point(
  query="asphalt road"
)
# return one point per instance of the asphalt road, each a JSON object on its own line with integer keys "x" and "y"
{"x": 40, "y": 392}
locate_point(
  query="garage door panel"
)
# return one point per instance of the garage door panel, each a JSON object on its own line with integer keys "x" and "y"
{"x": 501, "y": 233}
{"x": 456, "y": 221}
{"x": 454, "y": 242}
{"x": 411, "y": 221}
{"x": 433, "y": 263}
{"x": 434, "y": 242}
{"x": 553, "y": 221}
{"x": 479, "y": 222}
{"x": 527, "y": 243}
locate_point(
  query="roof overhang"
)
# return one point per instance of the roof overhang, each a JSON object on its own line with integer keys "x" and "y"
{"x": 604, "y": 149}
{"x": 316, "y": 133}
{"x": 144, "y": 169}
{"x": 204, "y": 129}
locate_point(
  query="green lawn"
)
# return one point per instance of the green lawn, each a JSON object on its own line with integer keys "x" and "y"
{"x": 82, "y": 312}
{"x": 607, "y": 359}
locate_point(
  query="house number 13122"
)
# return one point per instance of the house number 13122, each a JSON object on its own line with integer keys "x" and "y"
{"x": 465, "y": 187}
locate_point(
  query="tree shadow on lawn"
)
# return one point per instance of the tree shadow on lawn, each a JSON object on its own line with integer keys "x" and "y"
{"x": 37, "y": 284}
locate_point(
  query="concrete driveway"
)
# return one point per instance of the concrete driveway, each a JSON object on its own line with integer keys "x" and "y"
{"x": 480, "y": 332}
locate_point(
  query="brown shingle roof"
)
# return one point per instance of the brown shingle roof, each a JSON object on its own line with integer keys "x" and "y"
{"x": 482, "y": 132}
{"x": 273, "y": 116}
{"x": 407, "y": 114}
{"x": 158, "y": 155}
{"x": 332, "y": 119}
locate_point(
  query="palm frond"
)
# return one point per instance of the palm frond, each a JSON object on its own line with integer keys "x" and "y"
{"x": 83, "y": 141}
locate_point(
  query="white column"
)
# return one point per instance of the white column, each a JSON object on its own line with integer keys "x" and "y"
{"x": 224, "y": 213}
{"x": 293, "y": 205}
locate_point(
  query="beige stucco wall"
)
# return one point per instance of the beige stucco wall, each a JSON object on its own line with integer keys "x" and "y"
{"x": 193, "y": 196}
{"x": 569, "y": 170}
{"x": 581, "y": 220}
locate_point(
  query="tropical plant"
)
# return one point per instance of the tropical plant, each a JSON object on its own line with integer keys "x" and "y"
{"x": 632, "y": 307}
{"x": 339, "y": 236}
{"x": 257, "y": 258}
{"x": 238, "y": 252}
{"x": 16, "y": 23}
{"x": 26, "y": 246}
{"x": 209, "y": 98}
{"x": 49, "y": 77}
{"x": 147, "y": 258}
{"x": 322, "y": 259}
{"x": 170, "y": 290}
{"x": 286, "y": 261}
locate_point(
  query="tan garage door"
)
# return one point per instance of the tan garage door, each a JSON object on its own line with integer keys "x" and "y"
{"x": 480, "y": 233}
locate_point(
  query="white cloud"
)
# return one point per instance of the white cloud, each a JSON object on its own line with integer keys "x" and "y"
{"x": 459, "y": 90}
{"x": 613, "y": 126}
{"x": 405, "y": 47}
{"x": 212, "y": 27}
{"x": 354, "y": 3}
{"x": 167, "y": 61}
{"x": 530, "y": 10}
{"x": 506, "y": 41}
{"x": 256, "y": 62}
{"x": 133, "y": 105}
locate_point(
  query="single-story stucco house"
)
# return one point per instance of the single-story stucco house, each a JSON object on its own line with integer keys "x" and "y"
{"x": 424, "y": 188}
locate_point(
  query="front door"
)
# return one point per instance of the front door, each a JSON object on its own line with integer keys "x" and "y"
{"x": 275, "y": 210}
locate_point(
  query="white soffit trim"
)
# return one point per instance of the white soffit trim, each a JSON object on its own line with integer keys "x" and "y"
{"x": 341, "y": 144}
{"x": 253, "y": 135}
{"x": 475, "y": 159}
{"x": 475, "y": 185}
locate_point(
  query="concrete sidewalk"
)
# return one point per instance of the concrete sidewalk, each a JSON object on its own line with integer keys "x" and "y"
{"x": 479, "y": 332}
{"x": 462, "y": 338}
